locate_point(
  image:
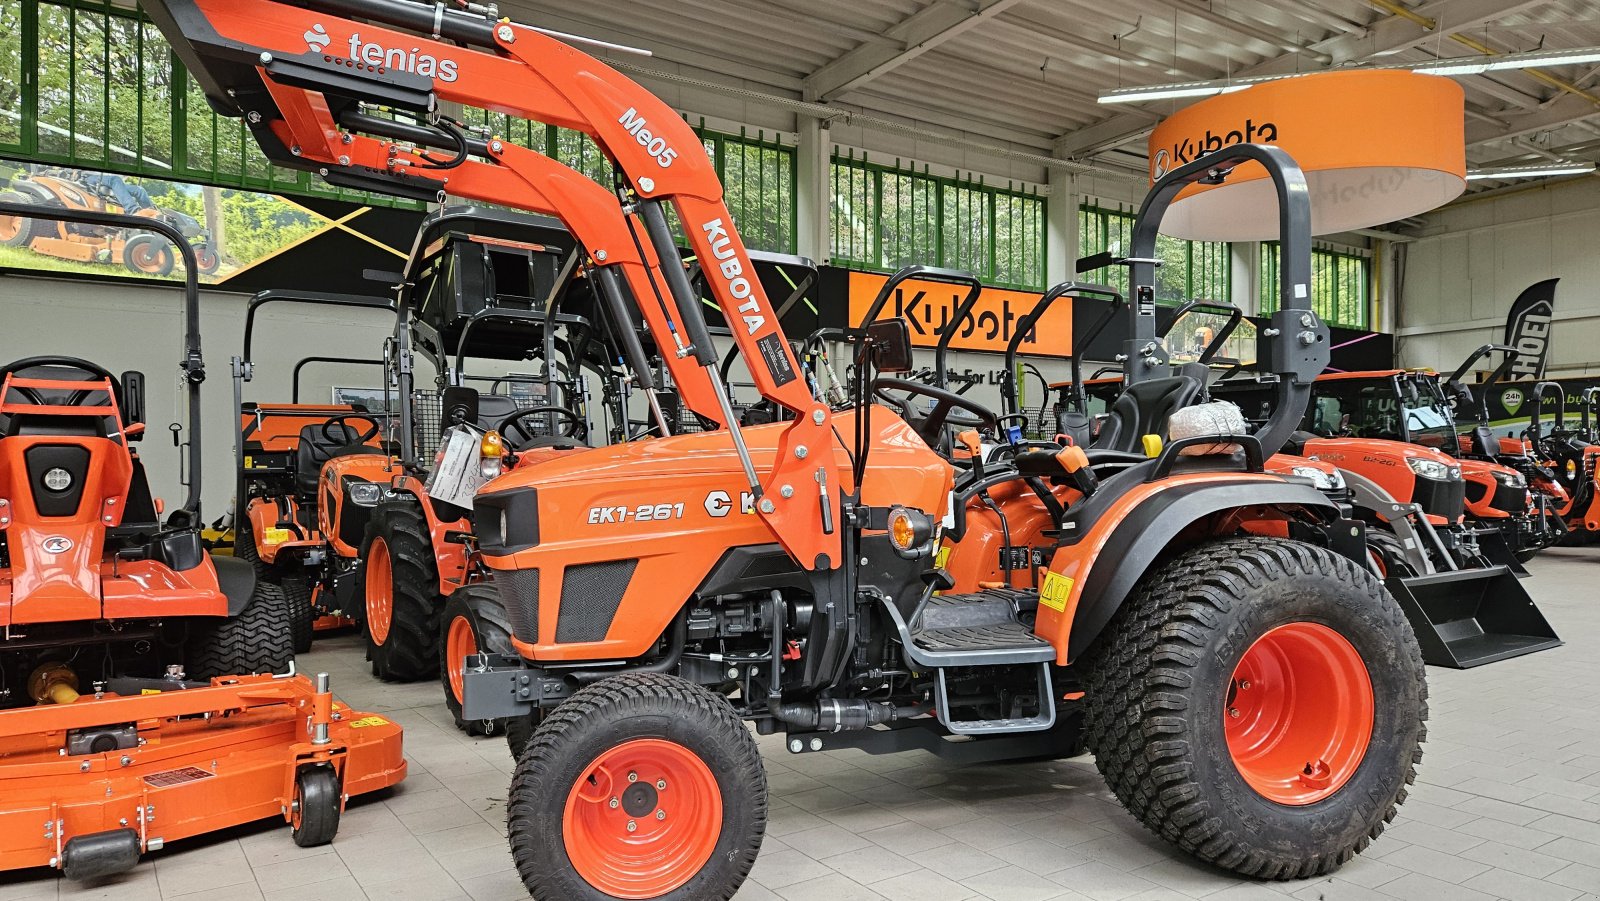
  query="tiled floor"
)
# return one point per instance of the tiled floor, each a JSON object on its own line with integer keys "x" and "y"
{"x": 1507, "y": 806}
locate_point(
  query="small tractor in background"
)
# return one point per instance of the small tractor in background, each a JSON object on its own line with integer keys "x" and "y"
{"x": 1572, "y": 456}
{"x": 147, "y": 691}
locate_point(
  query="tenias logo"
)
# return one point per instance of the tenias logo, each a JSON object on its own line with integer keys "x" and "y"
{"x": 374, "y": 54}
{"x": 1192, "y": 148}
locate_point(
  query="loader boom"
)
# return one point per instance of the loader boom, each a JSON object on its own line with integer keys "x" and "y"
{"x": 306, "y": 76}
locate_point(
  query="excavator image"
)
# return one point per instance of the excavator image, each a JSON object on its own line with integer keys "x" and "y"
{"x": 147, "y": 690}
{"x": 1190, "y": 601}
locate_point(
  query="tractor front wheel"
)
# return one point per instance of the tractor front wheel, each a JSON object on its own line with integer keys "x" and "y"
{"x": 474, "y": 622}
{"x": 639, "y": 786}
{"x": 399, "y": 585}
{"x": 1261, "y": 704}
{"x": 255, "y": 641}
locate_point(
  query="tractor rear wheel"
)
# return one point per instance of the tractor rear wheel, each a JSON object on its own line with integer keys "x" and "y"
{"x": 474, "y": 622}
{"x": 1261, "y": 704}
{"x": 399, "y": 583}
{"x": 255, "y": 641}
{"x": 639, "y": 786}
{"x": 16, "y": 231}
{"x": 302, "y": 618}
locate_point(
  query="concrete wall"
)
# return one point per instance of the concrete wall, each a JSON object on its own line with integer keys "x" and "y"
{"x": 1476, "y": 257}
{"x": 124, "y": 327}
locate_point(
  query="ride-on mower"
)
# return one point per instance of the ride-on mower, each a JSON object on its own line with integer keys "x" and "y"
{"x": 147, "y": 688}
{"x": 651, "y": 615}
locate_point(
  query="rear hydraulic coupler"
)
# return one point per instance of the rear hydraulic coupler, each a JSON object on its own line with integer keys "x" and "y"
{"x": 829, "y": 715}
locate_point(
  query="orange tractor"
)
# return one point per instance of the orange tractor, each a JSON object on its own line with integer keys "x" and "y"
{"x": 142, "y": 250}
{"x": 652, "y": 615}
{"x": 1573, "y": 457}
{"x": 148, "y": 689}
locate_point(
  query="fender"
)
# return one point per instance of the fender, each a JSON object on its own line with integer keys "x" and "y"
{"x": 450, "y": 558}
{"x": 1118, "y": 548}
{"x": 237, "y": 579}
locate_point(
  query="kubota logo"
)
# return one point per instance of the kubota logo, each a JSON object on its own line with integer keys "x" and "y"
{"x": 1192, "y": 148}
{"x": 732, "y": 269}
{"x": 1163, "y": 161}
{"x": 373, "y": 54}
{"x": 56, "y": 544}
{"x": 317, "y": 38}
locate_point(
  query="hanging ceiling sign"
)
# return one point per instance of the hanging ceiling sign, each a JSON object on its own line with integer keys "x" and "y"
{"x": 927, "y": 307}
{"x": 1376, "y": 146}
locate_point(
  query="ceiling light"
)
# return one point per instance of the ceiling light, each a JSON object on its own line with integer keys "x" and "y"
{"x": 1173, "y": 91}
{"x": 1512, "y": 172}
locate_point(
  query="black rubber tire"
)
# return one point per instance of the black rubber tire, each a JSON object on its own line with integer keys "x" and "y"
{"x": 519, "y": 731}
{"x": 28, "y": 229}
{"x": 302, "y": 618}
{"x": 480, "y": 606}
{"x": 1157, "y": 683}
{"x": 255, "y": 641}
{"x": 206, "y": 259}
{"x": 149, "y": 255}
{"x": 602, "y": 716}
{"x": 316, "y": 791}
{"x": 244, "y": 543}
{"x": 410, "y": 652}
{"x": 1392, "y": 551}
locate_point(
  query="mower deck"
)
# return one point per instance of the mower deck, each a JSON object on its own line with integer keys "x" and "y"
{"x": 172, "y": 764}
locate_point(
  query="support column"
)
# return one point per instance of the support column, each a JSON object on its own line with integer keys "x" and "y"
{"x": 1244, "y": 261}
{"x": 1061, "y": 227}
{"x": 813, "y": 194}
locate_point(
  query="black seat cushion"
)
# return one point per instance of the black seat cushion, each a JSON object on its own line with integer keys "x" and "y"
{"x": 1143, "y": 409}
{"x": 493, "y": 409}
{"x": 315, "y": 449}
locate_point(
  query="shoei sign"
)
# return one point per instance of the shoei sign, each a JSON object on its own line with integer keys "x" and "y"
{"x": 1376, "y": 146}
{"x": 928, "y": 307}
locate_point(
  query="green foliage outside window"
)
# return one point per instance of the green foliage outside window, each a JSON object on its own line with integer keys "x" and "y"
{"x": 1339, "y": 280}
{"x": 1189, "y": 270}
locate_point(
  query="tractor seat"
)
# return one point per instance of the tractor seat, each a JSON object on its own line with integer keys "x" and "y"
{"x": 315, "y": 449}
{"x": 1142, "y": 409}
{"x": 494, "y": 408}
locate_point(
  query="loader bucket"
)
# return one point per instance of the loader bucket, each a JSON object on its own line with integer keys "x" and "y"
{"x": 1470, "y": 617}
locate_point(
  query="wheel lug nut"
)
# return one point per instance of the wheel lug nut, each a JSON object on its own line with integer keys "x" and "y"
{"x": 614, "y": 803}
{"x": 633, "y": 777}
{"x": 1245, "y": 685}
{"x": 1233, "y": 712}
{"x": 661, "y": 785}
{"x": 661, "y": 814}
{"x": 632, "y": 826}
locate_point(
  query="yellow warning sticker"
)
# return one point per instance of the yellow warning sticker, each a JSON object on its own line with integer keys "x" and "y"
{"x": 364, "y": 722}
{"x": 275, "y": 536}
{"x": 1055, "y": 591}
{"x": 149, "y": 691}
{"x": 944, "y": 554}
{"x": 249, "y": 462}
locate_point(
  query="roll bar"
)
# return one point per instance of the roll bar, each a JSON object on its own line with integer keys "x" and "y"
{"x": 348, "y": 361}
{"x": 193, "y": 364}
{"x": 964, "y": 306}
{"x": 310, "y": 298}
{"x": 1480, "y": 398}
{"x": 1295, "y": 346}
{"x": 1536, "y": 424}
{"x": 1008, "y": 387}
{"x": 1235, "y": 316}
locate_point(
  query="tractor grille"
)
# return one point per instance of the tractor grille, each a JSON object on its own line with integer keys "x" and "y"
{"x": 590, "y": 595}
{"x": 519, "y": 591}
{"x": 1508, "y": 499}
{"x": 1442, "y": 497}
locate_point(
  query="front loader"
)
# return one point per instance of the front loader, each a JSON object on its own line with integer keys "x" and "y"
{"x": 652, "y": 615}
{"x": 147, "y": 691}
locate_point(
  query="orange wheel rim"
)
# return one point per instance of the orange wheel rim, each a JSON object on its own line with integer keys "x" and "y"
{"x": 380, "y": 591}
{"x": 459, "y": 644}
{"x": 1299, "y": 713}
{"x": 642, "y": 819}
{"x": 146, "y": 259}
{"x": 10, "y": 226}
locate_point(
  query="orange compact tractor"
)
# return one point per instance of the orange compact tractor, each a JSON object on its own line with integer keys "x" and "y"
{"x": 1192, "y": 599}
{"x": 280, "y": 451}
{"x": 140, "y": 249}
{"x": 1572, "y": 455}
{"x": 130, "y": 713}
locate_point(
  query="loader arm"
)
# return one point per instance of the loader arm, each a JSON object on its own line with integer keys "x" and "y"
{"x": 308, "y": 75}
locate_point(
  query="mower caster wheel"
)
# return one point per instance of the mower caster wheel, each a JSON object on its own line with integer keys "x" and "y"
{"x": 639, "y": 786}
{"x": 315, "y": 814}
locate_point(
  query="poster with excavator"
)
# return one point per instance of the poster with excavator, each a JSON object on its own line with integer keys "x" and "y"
{"x": 229, "y": 230}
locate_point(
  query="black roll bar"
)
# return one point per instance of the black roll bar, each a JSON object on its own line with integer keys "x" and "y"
{"x": 312, "y": 298}
{"x": 294, "y": 396}
{"x": 1025, "y": 325}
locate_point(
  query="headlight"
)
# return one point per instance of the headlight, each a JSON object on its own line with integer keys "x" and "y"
{"x": 365, "y": 494}
{"x": 910, "y": 532}
{"x": 1430, "y": 469}
{"x": 1324, "y": 481}
{"x": 490, "y": 467}
{"x": 1511, "y": 479}
{"x": 57, "y": 479}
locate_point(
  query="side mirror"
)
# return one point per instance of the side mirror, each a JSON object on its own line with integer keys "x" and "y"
{"x": 889, "y": 341}
{"x": 132, "y": 398}
{"x": 458, "y": 404}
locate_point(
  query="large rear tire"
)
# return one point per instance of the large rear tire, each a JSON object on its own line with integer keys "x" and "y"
{"x": 302, "y": 618}
{"x": 399, "y": 585}
{"x": 683, "y": 773}
{"x": 1261, "y": 704}
{"x": 16, "y": 231}
{"x": 474, "y": 622}
{"x": 255, "y": 641}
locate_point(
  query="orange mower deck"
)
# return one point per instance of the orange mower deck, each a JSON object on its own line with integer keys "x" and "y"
{"x": 203, "y": 759}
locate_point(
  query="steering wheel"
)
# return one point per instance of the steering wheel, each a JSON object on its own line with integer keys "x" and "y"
{"x": 84, "y": 366}
{"x": 343, "y": 439}
{"x": 513, "y": 424}
{"x": 931, "y": 427}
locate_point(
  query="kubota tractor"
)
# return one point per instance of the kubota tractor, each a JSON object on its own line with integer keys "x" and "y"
{"x": 1572, "y": 456}
{"x": 146, "y": 688}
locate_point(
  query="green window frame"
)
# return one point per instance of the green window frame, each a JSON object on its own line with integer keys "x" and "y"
{"x": 1340, "y": 285}
{"x": 887, "y": 216}
{"x": 1189, "y": 270}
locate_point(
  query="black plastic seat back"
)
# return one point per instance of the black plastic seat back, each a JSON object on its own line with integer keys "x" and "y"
{"x": 1143, "y": 409}
{"x": 1076, "y": 425}
{"x": 315, "y": 449}
{"x": 493, "y": 409}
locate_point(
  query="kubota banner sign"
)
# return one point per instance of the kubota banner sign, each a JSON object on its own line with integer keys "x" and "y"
{"x": 1376, "y": 146}
{"x": 928, "y": 307}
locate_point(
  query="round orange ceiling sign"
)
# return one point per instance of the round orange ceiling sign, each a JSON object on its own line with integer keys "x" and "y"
{"x": 1375, "y": 145}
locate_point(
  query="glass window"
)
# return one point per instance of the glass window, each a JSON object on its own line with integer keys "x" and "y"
{"x": 1339, "y": 283}
{"x": 11, "y": 69}
{"x": 1189, "y": 270}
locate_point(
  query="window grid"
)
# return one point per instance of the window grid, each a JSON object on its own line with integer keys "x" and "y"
{"x": 1189, "y": 270}
{"x": 1339, "y": 285}
{"x": 885, "y": 217}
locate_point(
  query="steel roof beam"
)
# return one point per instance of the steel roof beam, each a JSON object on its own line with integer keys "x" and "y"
{"x": 910, "y": 38}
